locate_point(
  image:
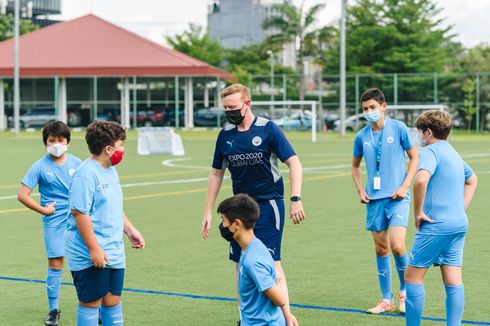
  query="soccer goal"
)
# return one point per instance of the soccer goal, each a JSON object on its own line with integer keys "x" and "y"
{"x": 290, "y": 115}
{"x": 408, "y": 113}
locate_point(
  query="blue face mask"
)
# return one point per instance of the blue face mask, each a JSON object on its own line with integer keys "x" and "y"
{"x": 373, "y": 116}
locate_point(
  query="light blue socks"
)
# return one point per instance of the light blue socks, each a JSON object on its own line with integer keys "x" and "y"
{"x": 415, "y": 301}
{"x": 401, "y": 264}
{"x": 111, "y": 316}
{"x": 87, "y": 316}
{"x": 454, "y": 304}
{"x": 53, "y": 285}
{"x": 384, "y": 276}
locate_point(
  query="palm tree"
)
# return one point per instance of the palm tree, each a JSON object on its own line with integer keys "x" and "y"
{"x": 294, "y": 26}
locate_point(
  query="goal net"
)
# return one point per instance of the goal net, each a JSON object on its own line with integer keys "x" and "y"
{"x": 290, "y": 115}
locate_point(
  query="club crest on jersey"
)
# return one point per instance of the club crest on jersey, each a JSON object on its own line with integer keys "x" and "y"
{"x": 71, "y": 172}
{"x": 256, "y": 141}
{"x": 389, "y": 139}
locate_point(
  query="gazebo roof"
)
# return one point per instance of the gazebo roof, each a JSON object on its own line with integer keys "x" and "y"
{"x": 91, "y": 46}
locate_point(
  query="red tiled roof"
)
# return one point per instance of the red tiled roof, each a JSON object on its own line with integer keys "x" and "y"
{"x": 91, "y": 46}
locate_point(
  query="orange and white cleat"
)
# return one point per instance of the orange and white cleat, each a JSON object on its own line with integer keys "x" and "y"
{"x": 401, "y": 307}
{"x": 382, "y": 306}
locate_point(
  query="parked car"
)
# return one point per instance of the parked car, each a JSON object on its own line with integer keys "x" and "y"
{"x": 329, "y": 120}
{"x": 149, "y": 118}
{"x": 296, "y": 121}
{"x": 352, "y": 123}
{"x": 36, "y": 117}
{"x": 209, "y": 117}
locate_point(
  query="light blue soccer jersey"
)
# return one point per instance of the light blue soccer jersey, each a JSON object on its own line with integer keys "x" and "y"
{"x": 95, "y": 191}
{"x": 53, "y": 181}
{"x": 252, "y": 158}
{"x": 392, "y": 171}
{"x": 444, "y": 199}
{"x": 256, "y": 273}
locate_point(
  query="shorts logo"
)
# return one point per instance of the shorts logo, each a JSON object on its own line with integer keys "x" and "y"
{"x": 71, "y": 172}
{"x": 256, "y": 141}
{"x": 389, "y": 139}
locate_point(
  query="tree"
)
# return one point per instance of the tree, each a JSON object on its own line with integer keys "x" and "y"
{"x": 294, "y": 25}
{"x": 197, "y": 44}
{"x": 405, "y": 36}
{"x": 469, "y": 87}
{"x": 250, "y": 60}
{"x": 7, "y": 26}
{"x": 474, "y": 60}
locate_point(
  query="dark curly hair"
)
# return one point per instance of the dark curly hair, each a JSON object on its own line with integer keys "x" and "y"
{"x": 103, "y": 133}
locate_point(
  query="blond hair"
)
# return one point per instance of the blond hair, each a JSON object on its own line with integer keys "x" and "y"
{"x": 236, "y": 88}
{"x": 439, "y": 122}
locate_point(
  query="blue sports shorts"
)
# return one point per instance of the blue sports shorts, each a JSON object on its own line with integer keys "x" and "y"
{"x": 381, "y": 214}
{"x": 268, "y": 229}
{"x": 94, "y": 283}
{"x": 54, "y": 241}
{"x": 437, "y": 250}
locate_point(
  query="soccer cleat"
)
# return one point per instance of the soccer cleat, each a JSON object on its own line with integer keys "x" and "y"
{"x": 402, "y": 303}
{"x": 382, "y": 306}
{"x": 53, "y": 317}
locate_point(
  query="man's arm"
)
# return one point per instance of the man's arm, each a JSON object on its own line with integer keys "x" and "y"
{"x": 469, "y": 189}
{"x": 279, "y": 299}
{"x": 297, "y": 213}
{"x": 84, "y": 225}
{"x": 134, "y": 236}
{"x": 419, "y": 189}
{"x": 24, "y": 196}
{"x": 214, "y": 184}
{"x": 356, "y": 177}
{"x": 401, "y": 192}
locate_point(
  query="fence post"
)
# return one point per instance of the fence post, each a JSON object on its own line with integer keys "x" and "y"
{"x": 284, "y": 87}
{"x": 436, "y": 95}
{"x": 477, "y": 102}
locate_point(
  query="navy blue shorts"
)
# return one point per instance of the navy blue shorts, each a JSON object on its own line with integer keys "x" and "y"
{"x": 93, "y": 283}
{"x": 268, "y": 229}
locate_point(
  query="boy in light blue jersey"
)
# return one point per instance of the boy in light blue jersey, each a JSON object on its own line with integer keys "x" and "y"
{"x": 383, "y": 144}
{"x": 443, "y": 188}
{"x": 94, "y": 236}
{"x": 262, "y": 300}
{"x": 52, "y": 174}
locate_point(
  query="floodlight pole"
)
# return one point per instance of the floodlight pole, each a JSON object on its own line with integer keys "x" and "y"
{"x": 342, "y": 69}
{"x": 16, "y": 68}
{"x": 271, "y": 54}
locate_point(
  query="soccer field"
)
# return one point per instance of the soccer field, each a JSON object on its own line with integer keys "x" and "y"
{"x": 181, "y": 279}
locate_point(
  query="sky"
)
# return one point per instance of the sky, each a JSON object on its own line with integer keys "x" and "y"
{"x": 155, "y": 19}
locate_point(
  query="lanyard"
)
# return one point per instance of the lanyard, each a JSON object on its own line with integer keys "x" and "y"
{"x": 378, "y": 147}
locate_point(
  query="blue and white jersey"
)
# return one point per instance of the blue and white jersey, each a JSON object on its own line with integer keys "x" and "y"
{"x": 53, "y": 181}
{"x": 95, "y": 191}
{"x": 444, "y": 199}
{"x": 256, "y": 273}
{"x": 392, "y": 171}
{"x": 252, "y": 158}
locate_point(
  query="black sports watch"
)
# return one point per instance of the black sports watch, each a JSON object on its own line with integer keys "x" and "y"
{"x": 295, "y": 198}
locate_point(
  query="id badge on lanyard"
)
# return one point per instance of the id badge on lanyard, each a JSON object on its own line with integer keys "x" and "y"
{"x": 377, "y": 178}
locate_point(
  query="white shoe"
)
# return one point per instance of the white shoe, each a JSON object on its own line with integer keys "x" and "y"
{"x": 401, "y": 307}
{"x": 382, "y": 306}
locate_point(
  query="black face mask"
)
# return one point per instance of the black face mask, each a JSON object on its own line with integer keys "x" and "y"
{"x": 234, "y": 116}
{"x": 225, "y": 232}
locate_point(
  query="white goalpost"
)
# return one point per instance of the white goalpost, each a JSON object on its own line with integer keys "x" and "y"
{"x": 290, "y": 115}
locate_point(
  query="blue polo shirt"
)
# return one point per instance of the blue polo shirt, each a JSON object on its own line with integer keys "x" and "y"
{"x": 395, "y": 142}
{"x": 444, "y": 198}
{"x": 256, "y": 273}
{"x": 96, "y": 192}
{"x": 53, "y": 181}
{"x": 252, "y": 157}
